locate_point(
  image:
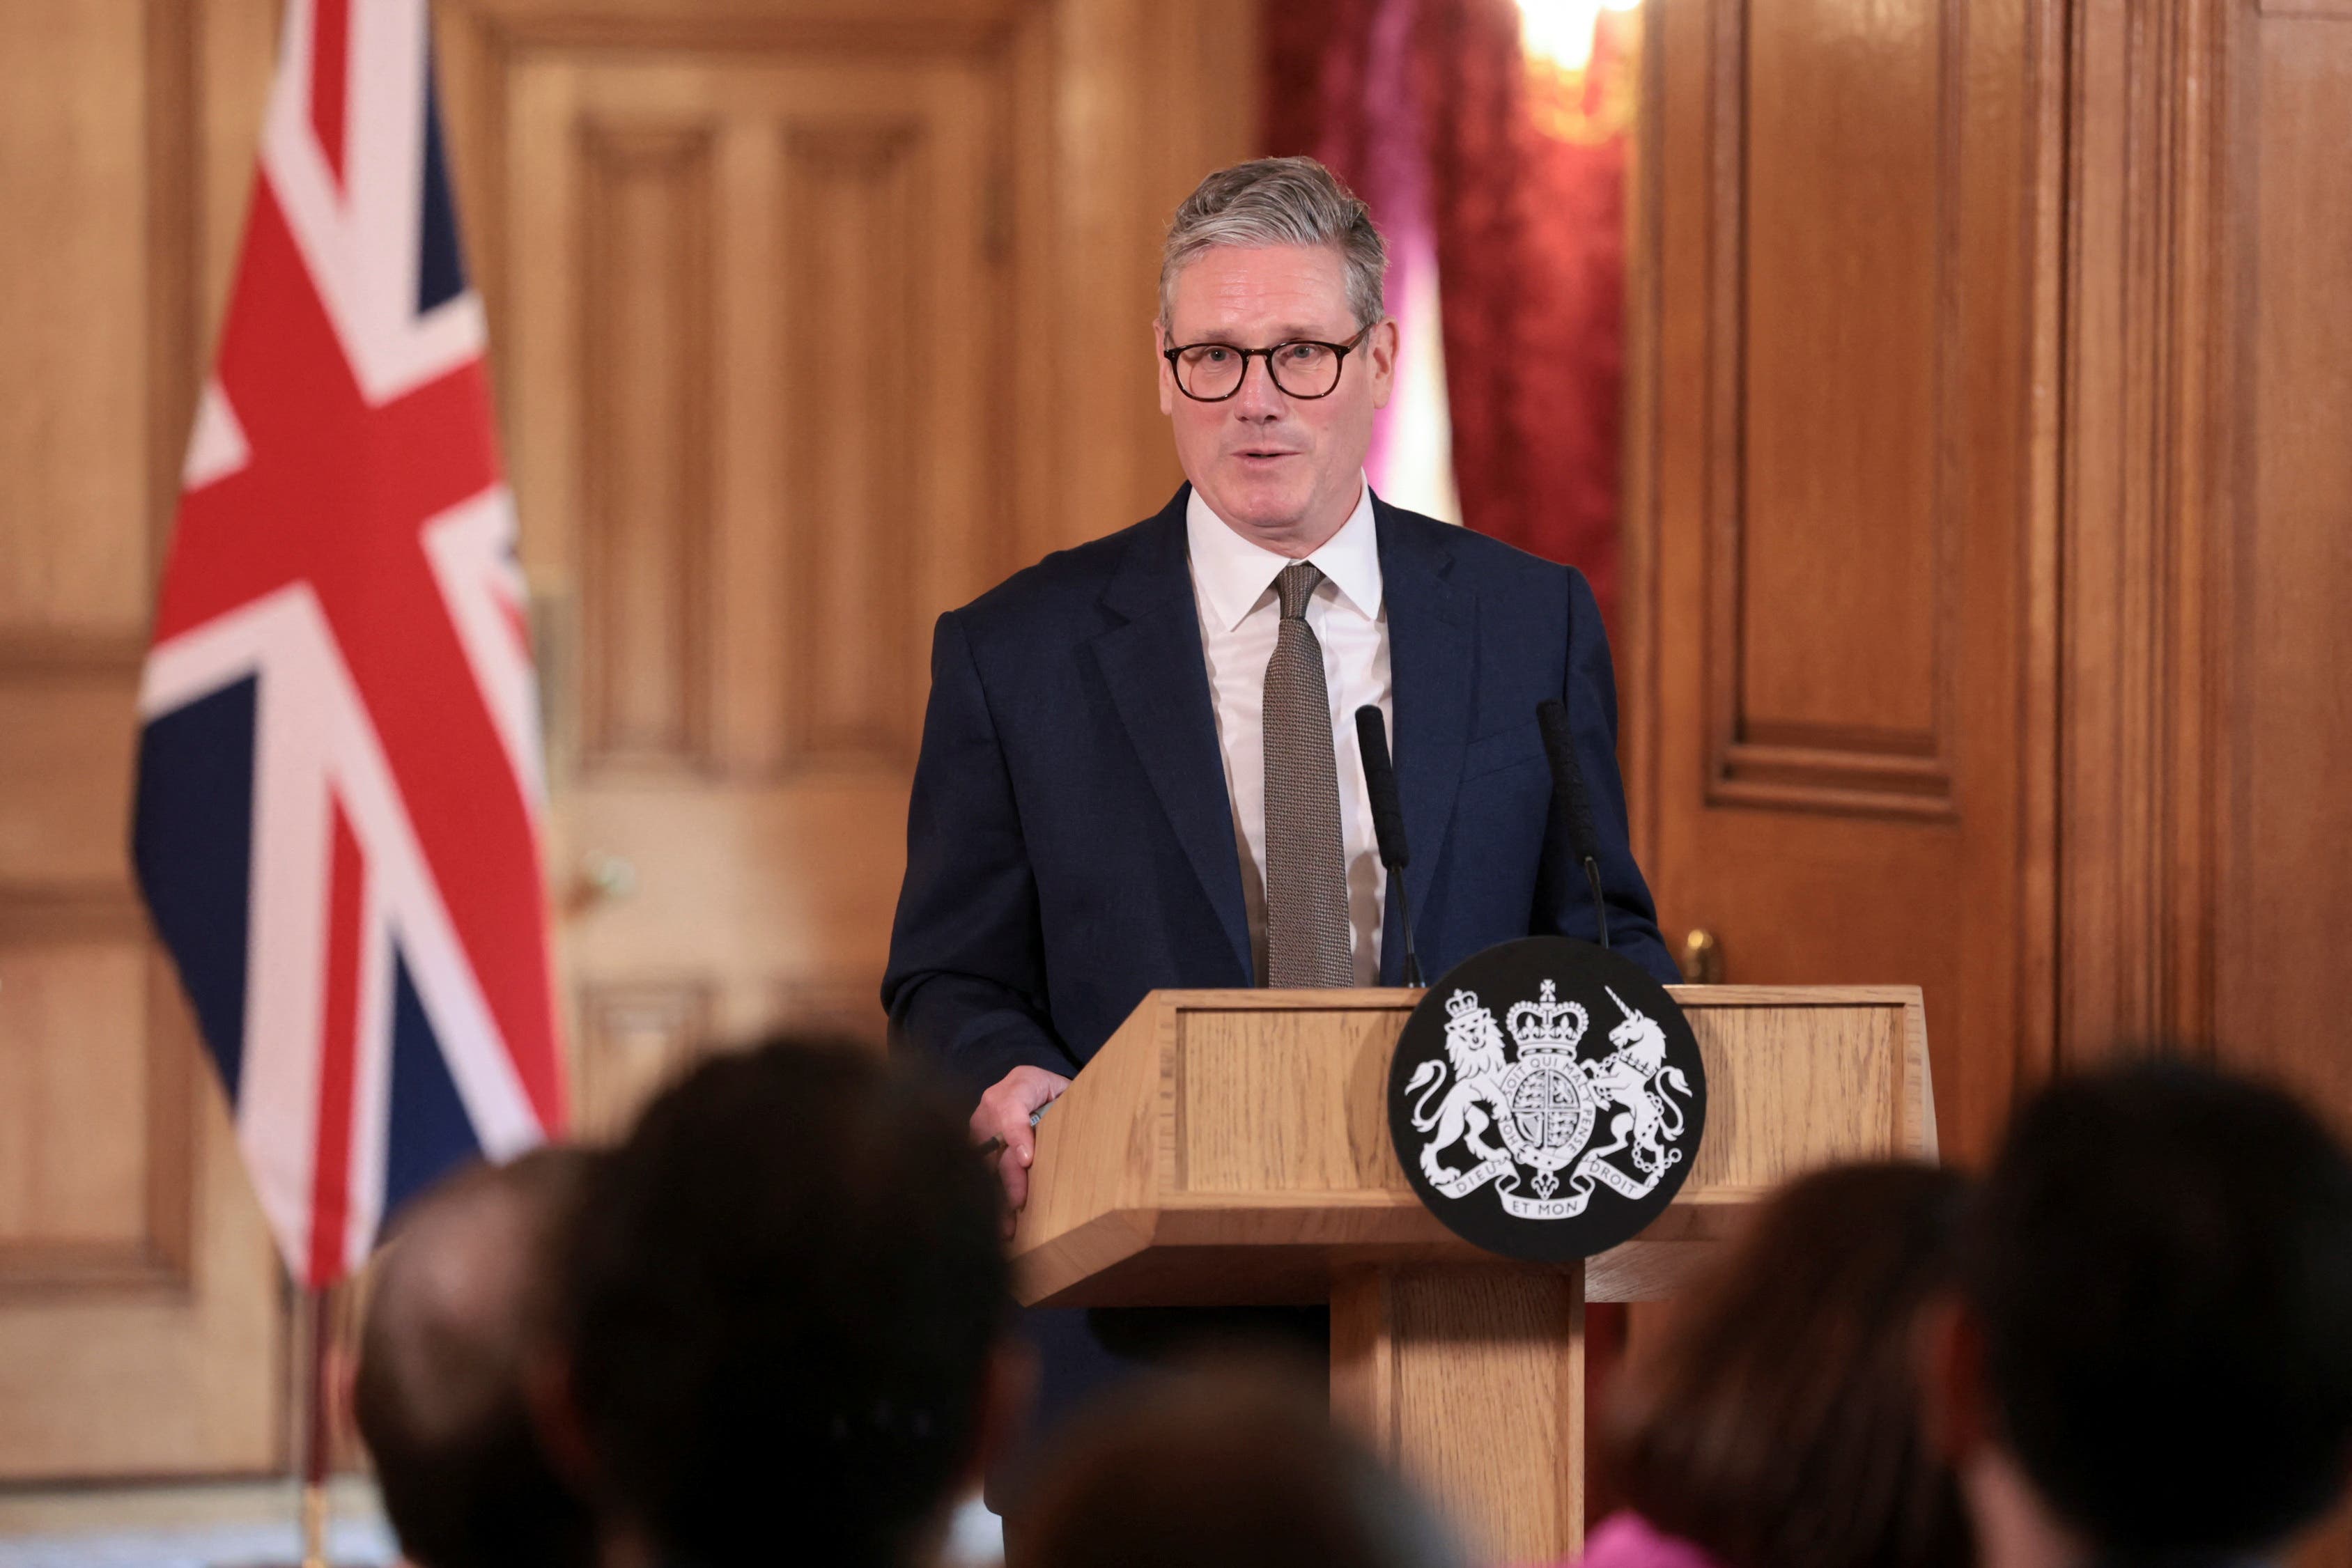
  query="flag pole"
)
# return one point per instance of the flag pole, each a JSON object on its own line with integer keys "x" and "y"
{"x": 315, "y": 1431}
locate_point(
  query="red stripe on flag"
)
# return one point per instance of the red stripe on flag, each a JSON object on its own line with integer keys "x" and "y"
{"x": 338, "y": 1028}
{"x": 330, "y": 54}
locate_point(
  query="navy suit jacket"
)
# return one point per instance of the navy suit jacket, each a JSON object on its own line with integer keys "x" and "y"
{"x": 1070, "y": 845}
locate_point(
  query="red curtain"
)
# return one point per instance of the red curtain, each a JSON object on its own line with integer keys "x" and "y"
{"x": 1526, "y": 197}
{"x": 1316, "y": 52}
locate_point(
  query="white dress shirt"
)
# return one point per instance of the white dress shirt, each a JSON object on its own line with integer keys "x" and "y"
{"x": 1232, "y": 588}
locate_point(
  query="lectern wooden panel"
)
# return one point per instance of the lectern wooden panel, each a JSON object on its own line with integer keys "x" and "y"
{"x": 1232, "y": 1148}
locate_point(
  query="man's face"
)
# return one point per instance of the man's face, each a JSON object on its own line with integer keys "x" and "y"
{"x": 1281, "y": 470}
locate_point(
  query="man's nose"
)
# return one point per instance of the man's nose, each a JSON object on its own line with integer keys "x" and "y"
{"x": 1259, "y": 398}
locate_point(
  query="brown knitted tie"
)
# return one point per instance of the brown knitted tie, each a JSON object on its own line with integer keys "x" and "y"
{"x": 1306, "y": 858}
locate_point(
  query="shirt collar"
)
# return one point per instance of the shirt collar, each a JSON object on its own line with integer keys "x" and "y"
{"x": 1233, "y": 574}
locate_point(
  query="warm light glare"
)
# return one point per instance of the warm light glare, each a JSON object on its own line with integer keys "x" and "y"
{"x": 1412, "y": 465}
{"x": 1560, "y": 32}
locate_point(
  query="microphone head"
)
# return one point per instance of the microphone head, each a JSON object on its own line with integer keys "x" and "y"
{"x": 1551, "y": 718}
{"x": 1379, "y": 785}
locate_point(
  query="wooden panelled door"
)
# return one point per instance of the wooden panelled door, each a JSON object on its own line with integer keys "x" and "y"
{"x": 1828, "y": 724}
{"x": 754, "y": 315}
{"x": 785, "y": 296}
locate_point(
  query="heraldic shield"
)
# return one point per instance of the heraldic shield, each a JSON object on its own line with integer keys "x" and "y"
{"x": 1565, "y": 1128}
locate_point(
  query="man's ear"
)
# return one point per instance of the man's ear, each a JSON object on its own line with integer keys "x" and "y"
{"x": 1380, "y": 348}
{"x": 1167, "y": 377}
{"x": 1949, "y": 1356}
{"x": 1006, "y": 1391}
{"x": 556, "y": 1421}
{"x": 343, "y": 1372}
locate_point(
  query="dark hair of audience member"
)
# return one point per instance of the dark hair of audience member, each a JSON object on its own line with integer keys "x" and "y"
{"x": 1235, "y": 1464}
{"x": 1778, "y": 1420}
{"x": 462, "y": 1297}
{"x": 785, "y": 1310}
{"x": 2161, "y": 1270}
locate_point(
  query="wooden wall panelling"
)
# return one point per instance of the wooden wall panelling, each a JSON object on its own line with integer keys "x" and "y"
{"x": 76, "y": 248}
{"x": 1635, "y": 644}
{"x": 119, "y": 1365}
{"x": 140, "y": 1326}
{"x": 2282, "y": 995}
{"x": 1149, "y": 96}
{"x": 1832, "y": 549}
{"x": 97, "y": 1102}
{"x": 2203, "y": 337}
{"x": 2279, "y": 725}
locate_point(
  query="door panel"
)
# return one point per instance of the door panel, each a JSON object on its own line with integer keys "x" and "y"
{"x": 1828, "y": 532}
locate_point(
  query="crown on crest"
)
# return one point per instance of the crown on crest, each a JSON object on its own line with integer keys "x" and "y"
{"x": 1462, "y": 1004}
{"x": 1547, "y": 1025}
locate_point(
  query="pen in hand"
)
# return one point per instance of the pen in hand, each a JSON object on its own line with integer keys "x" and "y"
{"x": 995, "y": 1146}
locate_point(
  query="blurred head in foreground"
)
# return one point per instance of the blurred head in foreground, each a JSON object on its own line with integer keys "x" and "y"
{"x": 2151, "y": 1353}
{"x": 1236, "y": 1465}
{"x": 461, "y": 1304}
{"x": 1778, "y": 1421}
{"x": 788, "y": 1314}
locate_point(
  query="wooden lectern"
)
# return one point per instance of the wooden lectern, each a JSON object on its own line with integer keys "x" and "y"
{"x": 1232, "y": 1148}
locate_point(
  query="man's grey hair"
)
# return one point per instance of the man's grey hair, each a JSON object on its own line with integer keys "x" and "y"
{"x": 1279, "y": 201}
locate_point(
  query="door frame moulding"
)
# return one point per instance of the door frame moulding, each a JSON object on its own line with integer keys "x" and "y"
{"x": 2146, "y": 494}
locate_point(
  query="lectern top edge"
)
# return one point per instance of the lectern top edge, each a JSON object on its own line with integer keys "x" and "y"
{"x": 1384, "y": 999}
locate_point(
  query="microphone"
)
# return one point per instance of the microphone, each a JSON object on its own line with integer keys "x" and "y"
{"x": 1388, "y": 820}
{"x": 1575, "y": 807}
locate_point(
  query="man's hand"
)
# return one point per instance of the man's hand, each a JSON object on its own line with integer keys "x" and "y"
{"x": 1004, "y": 1112}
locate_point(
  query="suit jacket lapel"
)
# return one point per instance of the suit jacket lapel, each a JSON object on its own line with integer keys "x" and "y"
{"x": 1433, "y": 643}
{"x": 1159, "y": 681}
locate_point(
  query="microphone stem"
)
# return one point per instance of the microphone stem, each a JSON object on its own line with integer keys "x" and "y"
{"x": 1599, "y": 908}
{"x": 1404, "y": 917}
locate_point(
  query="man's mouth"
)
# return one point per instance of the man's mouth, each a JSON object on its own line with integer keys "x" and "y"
{"x": 1265, "y": 454}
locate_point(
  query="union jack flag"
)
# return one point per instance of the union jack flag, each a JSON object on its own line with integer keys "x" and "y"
{"x": 339, "y": 795}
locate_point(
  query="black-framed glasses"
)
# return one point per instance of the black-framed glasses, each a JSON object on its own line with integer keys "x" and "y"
{"x": 1212, "y": 372}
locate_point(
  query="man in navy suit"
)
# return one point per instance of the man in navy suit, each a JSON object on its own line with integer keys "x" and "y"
{"x": 1138, "y": 769}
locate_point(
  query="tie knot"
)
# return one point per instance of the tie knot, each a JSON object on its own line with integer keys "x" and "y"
{"x": 1295, "y": 586}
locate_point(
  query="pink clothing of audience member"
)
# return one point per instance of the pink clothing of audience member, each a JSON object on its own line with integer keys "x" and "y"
{"x": 1628, "y": 1540}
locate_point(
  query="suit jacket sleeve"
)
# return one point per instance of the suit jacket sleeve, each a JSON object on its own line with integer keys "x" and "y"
{"x": 966, "y": 983}
{"x": 1563, "y": 900}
